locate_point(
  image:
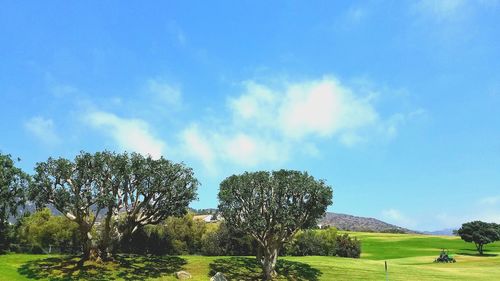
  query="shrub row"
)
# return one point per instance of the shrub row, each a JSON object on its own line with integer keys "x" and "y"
{"x": 42, "y": 232}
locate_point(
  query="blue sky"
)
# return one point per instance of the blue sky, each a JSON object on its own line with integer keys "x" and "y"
{"x": 394, "y": 103}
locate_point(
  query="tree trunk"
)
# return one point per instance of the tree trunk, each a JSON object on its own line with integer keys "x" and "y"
{"x": 105, "y": 245}
{"x": 259, "y": 253}
{"x": 268, "y": 263}
{"x": 90, "y": 250}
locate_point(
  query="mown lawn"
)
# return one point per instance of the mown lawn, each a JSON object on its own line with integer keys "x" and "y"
{"x": 409, "y": 258}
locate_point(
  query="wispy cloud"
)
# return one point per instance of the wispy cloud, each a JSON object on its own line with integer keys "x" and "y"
{"x": 165, "y": 93}
{"x": 43, "y": 129}
{"x": 268, "y": 124}
{"x": 196, "y": 145}
{"x": 397, "y": 217}
{"x": 130, "y": 134}
{"x": 322, "y": 108}
{"x": 178, "y": 35}
{"x": 490, "y": 200}
{"x": 451, "y": 10}
{"x": 442, "y": 9}
{"x": 356, "y": 14}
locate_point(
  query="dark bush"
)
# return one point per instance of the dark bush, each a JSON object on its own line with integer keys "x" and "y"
{"x": 317, "y": 242}
{"x": 212, "y": 244}
{"x": 175, "y": 236}
{"x": 227, "y": 241}
{"x": 307, "y": 243}
{"x": 348, "y": 247}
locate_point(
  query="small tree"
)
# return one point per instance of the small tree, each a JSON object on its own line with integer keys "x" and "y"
{"x": 13, "y": 183}
{"x": 272, "y": 207}
{"x": 480, "y": 233}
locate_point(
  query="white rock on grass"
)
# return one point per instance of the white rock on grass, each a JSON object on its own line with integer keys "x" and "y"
{"x": 182, "y": 275}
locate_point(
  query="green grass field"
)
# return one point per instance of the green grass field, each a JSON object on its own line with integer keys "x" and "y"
{"x": 410, "y": 257}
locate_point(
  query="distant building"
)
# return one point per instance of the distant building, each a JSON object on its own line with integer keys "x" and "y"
{"x": 206, "y": 218}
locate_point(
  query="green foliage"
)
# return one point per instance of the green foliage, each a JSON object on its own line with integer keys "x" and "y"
{"x": 143, "y": 190}
{"x": 186, "y": 233}
{"x": 13, "y": 183}
{"x": 42, "y": 229}
{"x": 153, "y": 190}
{"x": 348, "y": 247}
{"x": 212, "y": 244}
{"x": 409, "y": 258}
{"x": 227, "y": 241}
{"x": 175, "y": 236}
{"x": 74, "y": 188}
{"x": 480, "y": 233}
{"x": 278, "y": 203}
{"x": 306, "y": 243}
{"x": 313, "y": 242}
{"x": 272, "y": 207}
{"x": 329, "y": 237}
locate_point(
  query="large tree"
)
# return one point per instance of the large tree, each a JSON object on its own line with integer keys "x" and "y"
{"x": 75, "y": 189}
{"x": 480, "y": 233}
{"x": 272, "y": 207}
{"x": 106, "y": 186}
{"x": 153, "y": 190}
{"x": 13, "y": 184}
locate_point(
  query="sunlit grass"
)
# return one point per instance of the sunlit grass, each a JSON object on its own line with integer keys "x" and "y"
{"x": 410, "y": 257}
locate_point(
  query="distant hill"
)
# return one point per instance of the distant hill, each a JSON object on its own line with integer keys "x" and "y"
{"x": 446, "y": 232}
{"x": 340, "y": 221}
{"x": 354, "y": 223}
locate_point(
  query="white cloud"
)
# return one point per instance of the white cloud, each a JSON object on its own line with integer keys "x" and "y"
{"x": 130, "y": 134}
{"x": 314, "y": 108}
{"x": 165, "y": 93}
{"x": 442, "y": 9}
{"x": 491, "y": 200}
{"x": 257, "y": 103}
{"x": 198, "y": 146}
{"x": 268, "y": 124}
{"x": 211, "y": 147}
{"x": 43, "y": 129}
{"x": 397, "y": 217}
{"x": 247, "y": 150}
{"x": 323, "y": 108}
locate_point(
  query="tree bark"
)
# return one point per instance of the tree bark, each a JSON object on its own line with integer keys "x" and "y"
{"x": 105, "y": 245}
{"x": 89, "y": 249}
{"x": 268, "y": 263}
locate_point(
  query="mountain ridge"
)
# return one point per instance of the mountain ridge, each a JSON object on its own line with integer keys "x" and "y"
{"x": 356, "y": 223}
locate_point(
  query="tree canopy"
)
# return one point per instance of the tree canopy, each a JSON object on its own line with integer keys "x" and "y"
{"x": 106, "y": 184}
{"x": 13, "y": 183}
{"x": 272, "y": 207}
{"x": 480, "y": 233}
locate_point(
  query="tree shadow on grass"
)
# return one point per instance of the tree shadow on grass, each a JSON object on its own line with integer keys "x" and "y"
{"x": 132, "y": 267}
{"x": 64, "y": 269}
{"x": 127, "y": 267}
{"x": 248, "y": 269}
{"x": 477, "y": 254}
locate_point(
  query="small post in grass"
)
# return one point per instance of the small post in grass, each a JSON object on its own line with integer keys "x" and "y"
{"x": 386, "y": 272}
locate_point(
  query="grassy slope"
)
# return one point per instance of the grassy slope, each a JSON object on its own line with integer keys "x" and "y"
{"x": 409, "y": 257}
